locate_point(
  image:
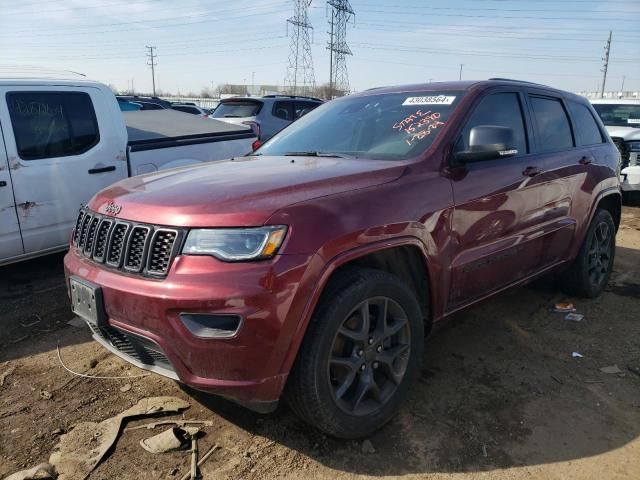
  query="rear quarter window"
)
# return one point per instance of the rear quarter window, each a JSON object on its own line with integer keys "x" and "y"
{"x": 587, "y": 130}
{"x": 52, "y": 124}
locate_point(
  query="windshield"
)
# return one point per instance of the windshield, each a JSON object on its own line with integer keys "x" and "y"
{"x": 236, "y": 109}
{"x": 393, "y": 126}
{"x": 619, "y": 115}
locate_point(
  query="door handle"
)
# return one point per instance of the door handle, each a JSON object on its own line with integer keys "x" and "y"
{"x": 585, "y": 160}
{"x": 3, "y": 183}
{"x": 531, "y": 171}
{"x": 102, "y": 169}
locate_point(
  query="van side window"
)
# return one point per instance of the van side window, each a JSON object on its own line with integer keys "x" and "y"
{"x": 52, "y": 124}
{"x": 554, "y": 131}
{"x": 498, "y": 109}
{"x": 587, "y": 129}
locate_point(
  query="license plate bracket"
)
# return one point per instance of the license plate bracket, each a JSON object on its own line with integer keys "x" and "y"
{"x": 87, "y": 301}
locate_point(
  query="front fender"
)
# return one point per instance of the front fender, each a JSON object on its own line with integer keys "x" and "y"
{"x": 318, "y": 280}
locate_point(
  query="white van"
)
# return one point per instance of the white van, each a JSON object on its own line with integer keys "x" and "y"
{"x": 63, "y": 140}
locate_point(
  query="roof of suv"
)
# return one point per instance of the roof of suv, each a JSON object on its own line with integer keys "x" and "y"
{"x": 270, "y": 97}
{"x": 459, "y": 85}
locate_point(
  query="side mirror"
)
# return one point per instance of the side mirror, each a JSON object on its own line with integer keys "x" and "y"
{"x": 488, "y": 142}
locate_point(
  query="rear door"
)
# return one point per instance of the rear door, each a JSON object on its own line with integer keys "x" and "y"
{"x": 497, "y": 212}
{"x": 566, "y": 172}
{"x": 63, "y": 145}
{"x": 10, "y": 240}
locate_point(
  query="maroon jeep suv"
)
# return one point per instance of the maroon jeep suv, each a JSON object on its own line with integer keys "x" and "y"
{"x": 313, "y": 268}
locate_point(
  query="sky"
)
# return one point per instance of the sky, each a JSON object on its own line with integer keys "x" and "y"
{"x": 200, "y": 44}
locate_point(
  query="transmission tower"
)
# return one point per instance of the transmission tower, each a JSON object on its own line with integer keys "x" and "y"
{"x": 300, "y": 77}
{"x": 341, "y": 12}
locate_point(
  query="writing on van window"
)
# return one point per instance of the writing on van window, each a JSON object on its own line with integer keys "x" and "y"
{"x": 37, "y": 109}
{"x": 418, "y": 125}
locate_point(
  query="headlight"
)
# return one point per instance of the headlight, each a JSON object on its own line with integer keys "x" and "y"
{"x": 633, "y": 146}
{"x": 235, "y": 244}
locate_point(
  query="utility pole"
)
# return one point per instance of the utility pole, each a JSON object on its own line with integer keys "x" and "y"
{"x": 152, "y": 63}
{"x": 605, "y": 67}
{"x": 300, "y": 68}
{"x": 460, "y": 71}
{"x": 623, "y": 79}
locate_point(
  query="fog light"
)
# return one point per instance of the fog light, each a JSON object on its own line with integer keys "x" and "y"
{"x": 205, "y": 325}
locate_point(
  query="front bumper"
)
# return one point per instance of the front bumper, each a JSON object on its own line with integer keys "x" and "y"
{"x": 144, "y": 325}
{"x": 630, "y": 179}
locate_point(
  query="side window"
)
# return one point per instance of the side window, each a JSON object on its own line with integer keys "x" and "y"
{"x": 49, "y": 124}
{"x": 283, "y": 110}
{"x": 554, "y": 131}
{"x": 587, "y": 130}
{"x": 302, "y": 108}
{"x": 499, "y": 109}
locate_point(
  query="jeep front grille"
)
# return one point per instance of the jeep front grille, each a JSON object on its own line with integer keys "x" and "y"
{"x": 130, "y": 246}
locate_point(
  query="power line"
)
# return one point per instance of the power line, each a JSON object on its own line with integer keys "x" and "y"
{"x": 65, "y": 29}
{"x": 469, "y": 9}
{"x": 152, "y": 63}
{"x": 485, "y": 53}
{"x": 300, "y": 60}
{"x": 466, "y": 32}
{"x": 507, "y": 17}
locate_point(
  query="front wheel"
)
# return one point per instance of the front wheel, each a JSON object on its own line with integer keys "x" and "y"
{"x": 590, "y": 271}
{"x": 360, "y": 355}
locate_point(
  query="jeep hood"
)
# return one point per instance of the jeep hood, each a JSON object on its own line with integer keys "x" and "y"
{"x": 626, "y": 133}
{"x": 239, "y": 192}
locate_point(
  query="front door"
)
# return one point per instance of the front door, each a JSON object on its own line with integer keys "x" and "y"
{"x": 62, "y": 149}
{"x": 497, "y": 212}
{"x": 10, "y": 240}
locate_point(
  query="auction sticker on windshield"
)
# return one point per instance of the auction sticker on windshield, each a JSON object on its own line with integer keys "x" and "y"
{"x": 432, "y": 100}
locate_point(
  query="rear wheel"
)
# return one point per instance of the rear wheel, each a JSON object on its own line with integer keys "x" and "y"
{"x": 360, "y": 355}
{"x": 590, "y": 272}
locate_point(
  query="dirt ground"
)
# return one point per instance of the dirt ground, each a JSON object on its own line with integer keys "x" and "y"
{"x": 500, "y": 394}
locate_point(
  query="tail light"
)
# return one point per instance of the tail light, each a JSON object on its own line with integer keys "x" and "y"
{"x": 256, "y": 145}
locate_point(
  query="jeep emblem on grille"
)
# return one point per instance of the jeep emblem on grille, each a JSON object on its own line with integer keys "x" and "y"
{"x": 112, "y": 209}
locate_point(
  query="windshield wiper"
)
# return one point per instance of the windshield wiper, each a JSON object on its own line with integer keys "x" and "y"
{"x": 312, "y": 153}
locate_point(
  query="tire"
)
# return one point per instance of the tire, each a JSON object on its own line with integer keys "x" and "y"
{"x": 338, "y": 343}
{"x": 589, "y": 273}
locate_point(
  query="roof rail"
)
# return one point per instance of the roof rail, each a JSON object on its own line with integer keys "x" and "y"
{"x": 513, "y": 80}
{"x": 278, "y": 95}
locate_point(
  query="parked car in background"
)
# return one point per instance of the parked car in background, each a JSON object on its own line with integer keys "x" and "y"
{"x": 63, "y": 140}
{"x": 149, "y": 105}
{"x": 622, "y": 120}
{"x": 127, "y": 106}
{"x": 189, "y": 108}
{"x": 265, "y": 115}
{"x": 145, "y": 100}
{"x": 313, "y": 268}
